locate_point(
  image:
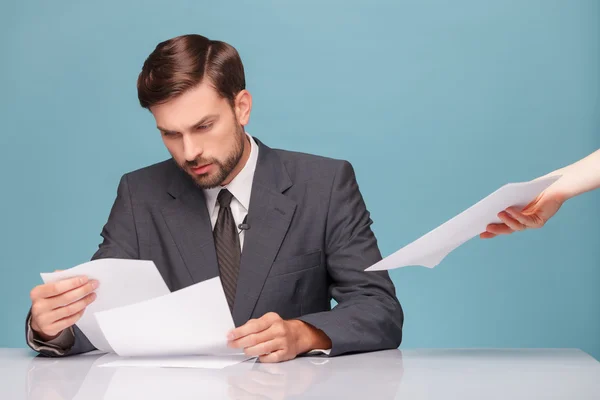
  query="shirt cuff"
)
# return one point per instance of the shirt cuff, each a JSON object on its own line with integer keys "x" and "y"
{"x": 58, "y": 346}
{"x": 318, "y": 352}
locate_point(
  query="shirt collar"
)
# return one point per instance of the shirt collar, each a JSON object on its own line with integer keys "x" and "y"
{"x": 241, "y": 186}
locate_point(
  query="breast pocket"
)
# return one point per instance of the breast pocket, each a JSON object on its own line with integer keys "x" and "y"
{"x": 296, "y": 263}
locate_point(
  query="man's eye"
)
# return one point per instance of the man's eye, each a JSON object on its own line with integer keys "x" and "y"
{"x": 203, "y": 127}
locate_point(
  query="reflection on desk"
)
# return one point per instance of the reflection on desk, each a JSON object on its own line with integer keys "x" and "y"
{"x": 81, "y": 377}
{"x": 407, "y": 374}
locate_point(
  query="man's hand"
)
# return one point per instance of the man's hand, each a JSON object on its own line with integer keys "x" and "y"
{"x": 59, "y": 305}
{"x": 273, "y": 340}
{"x": 535, "y": 215}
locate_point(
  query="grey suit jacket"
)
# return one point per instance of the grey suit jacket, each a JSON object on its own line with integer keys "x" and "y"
{"x": 309, "y": 241}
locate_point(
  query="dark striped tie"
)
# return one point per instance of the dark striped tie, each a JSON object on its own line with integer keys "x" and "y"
{"x": 227, "y": 245}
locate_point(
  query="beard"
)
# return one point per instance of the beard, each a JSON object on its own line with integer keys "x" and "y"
{"x": 223, "y": 167}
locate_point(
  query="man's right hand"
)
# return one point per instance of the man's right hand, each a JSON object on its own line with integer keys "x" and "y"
{"x": 57, "y": 306}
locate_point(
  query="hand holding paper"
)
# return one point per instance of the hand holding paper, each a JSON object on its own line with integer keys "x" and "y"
{"x": 56, "y": 306}
{"x": 122, "y": 282}
{"x": 274, "y": 339}
{"x": 534, "y": 216}
{"x": 430, "y": 249}
{"x": 135, "y": 314}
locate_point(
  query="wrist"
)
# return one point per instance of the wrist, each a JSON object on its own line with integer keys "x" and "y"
{"x": 309, "y": 338}
{"x": 564, "y": 188}
{"x": 43, "y": 337}
{"x": 40, "y": 335}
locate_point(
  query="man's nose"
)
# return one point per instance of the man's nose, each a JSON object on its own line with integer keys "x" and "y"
{"x": 192, "y": 148}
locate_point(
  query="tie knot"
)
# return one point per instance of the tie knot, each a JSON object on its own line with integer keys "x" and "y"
{"x": 224, "y": 198}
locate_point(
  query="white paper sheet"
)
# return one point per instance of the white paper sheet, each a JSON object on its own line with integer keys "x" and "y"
{"x": 191, "y": 321}
{"x": 429, "y": 250}
{"x": 122, "y": 282}
{"x": 211, "y": 362}
{"x": 140, "y": 383}
{"x": 167, "y": 383}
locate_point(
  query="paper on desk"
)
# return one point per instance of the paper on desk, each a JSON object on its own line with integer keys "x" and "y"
{"x": 122, "y": 282}
{"x": 161, "y": 383}
{"x": 430, "y": 249}
{"x": 191, "y": 321}
{"x": 212, "y": 362}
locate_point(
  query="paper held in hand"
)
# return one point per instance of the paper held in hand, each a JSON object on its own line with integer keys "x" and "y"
{"x": 430, "y": 249}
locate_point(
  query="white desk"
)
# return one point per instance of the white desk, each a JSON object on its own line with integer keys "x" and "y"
{"x": 407, "y": 374}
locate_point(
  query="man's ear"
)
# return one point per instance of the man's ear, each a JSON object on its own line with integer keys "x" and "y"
{"x": 243, "y": 107}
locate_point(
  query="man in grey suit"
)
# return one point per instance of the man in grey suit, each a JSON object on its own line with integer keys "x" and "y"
{"x": 286, "y": 232}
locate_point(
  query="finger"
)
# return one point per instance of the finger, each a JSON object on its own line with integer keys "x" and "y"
{"x": 72, "y": 295}
{"x": 254, "y": 339}
{"x": 253, "y": 326}
{"x": 499, "y": 229}
{"x": 529, "y": 221}
{"x": 72, "y": 308}
{"x": 44, "y": 315}
{"x": 65, "y": 323}
{"x": 264, "y": 348}
{"x": 511, "y": 222}
{"x": 57, "y": 288}
{"x": 487, "y": 235}
{"x": 277, "y": 356}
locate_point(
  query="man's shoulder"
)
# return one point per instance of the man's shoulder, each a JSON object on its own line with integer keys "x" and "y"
{"x": 299, "y": 164}
{"x": 158, "y": 175}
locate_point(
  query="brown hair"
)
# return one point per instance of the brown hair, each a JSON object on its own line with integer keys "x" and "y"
{"x": 181, "y": 63}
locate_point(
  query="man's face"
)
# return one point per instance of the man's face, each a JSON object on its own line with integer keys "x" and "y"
{"x": 204, "y": 133}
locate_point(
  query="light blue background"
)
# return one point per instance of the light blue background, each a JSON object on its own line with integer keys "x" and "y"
{"x": 436, "y": 104}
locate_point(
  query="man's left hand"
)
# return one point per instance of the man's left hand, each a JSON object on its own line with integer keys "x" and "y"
{"x": 273, "y": 339}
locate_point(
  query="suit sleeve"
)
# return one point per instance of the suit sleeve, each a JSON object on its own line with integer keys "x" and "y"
{"x": 119, "y": 233}
{"x": 368, "y": 315}
{"x": 119, "y": 241}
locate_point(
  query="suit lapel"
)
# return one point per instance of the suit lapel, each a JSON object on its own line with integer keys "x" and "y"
{"x": 269, "y": 217}
{"x": 188, "y": 221}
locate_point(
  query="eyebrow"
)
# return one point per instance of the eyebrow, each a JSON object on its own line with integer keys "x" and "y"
{"x": 201, "y": 122}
